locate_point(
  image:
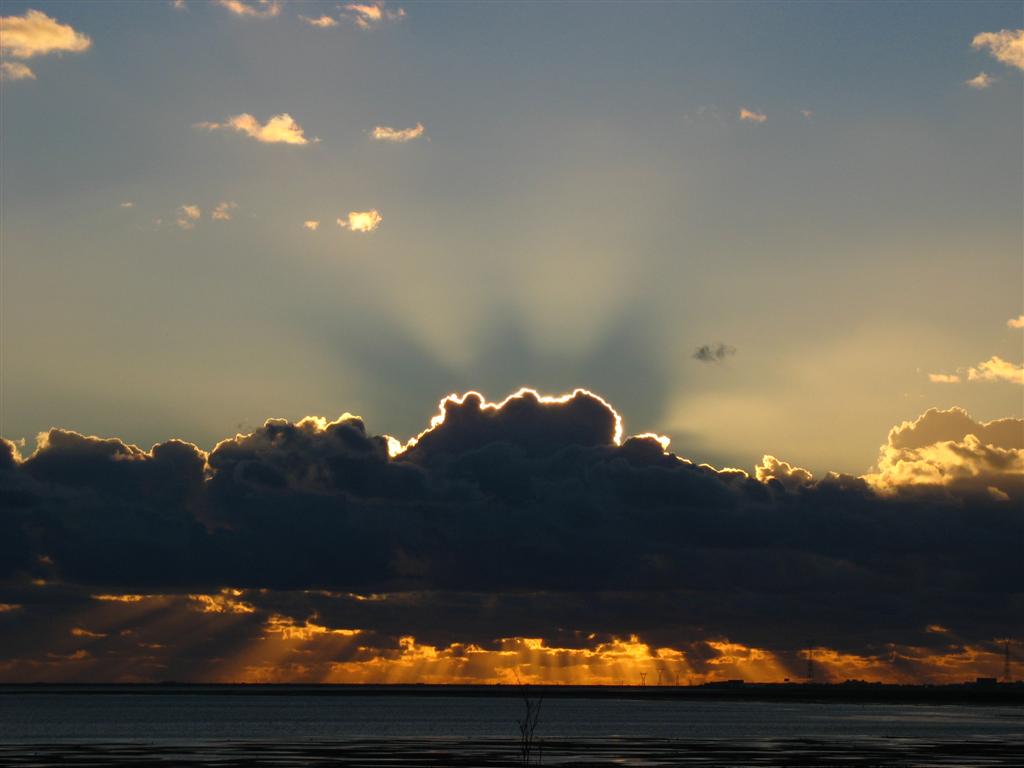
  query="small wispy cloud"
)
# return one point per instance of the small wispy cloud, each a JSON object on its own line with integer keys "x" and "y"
{"x": 981, "y": 81}
{"x": 752, "y": 116}
{"x": 323, "y": 22}
{"x": 127, "y": 204}
{"x": 280, "y": 129}
{"x": 713, "y": 353}
{"x": 400, "y": 136}
{"x": 179, "y": 5}
{"x": 257, "y": 9}
{"x": 312, "y": 225}
{"x": 187, "y": 216}
{"x": 223, "y": 211}
{"x": 15, "y": 70}
{"x": 368, "y": 15}
{"x": 1006, "y": 46}
{"x": 36, "y": 34}
{"x": 943, "y": 378}
{"x": 1015, "y": 322}
{"x": 997, "y": 369}
{"x": 361, "y": 221}
{"x": 808, "y": 113}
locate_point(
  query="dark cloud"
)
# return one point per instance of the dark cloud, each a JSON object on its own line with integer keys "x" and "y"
{"x": 533, "y": 518}
{"x": 713, "y": 353}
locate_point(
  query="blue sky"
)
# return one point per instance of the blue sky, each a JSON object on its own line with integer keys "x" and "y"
{"x": 585, "y": 207}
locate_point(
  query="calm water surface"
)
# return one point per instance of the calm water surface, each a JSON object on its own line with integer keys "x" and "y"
{"x": 70, "y": 717}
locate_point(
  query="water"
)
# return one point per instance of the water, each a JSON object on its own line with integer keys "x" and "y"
{"x": 81, "y": 718}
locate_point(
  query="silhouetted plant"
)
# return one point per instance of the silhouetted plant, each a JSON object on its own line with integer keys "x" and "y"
{"x": 528, "y": 727}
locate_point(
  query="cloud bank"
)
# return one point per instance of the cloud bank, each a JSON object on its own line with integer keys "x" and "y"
{"x": 527, "y": 534}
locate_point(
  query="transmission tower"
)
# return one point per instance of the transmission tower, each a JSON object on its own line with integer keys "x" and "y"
{"x": 643, "y": 679}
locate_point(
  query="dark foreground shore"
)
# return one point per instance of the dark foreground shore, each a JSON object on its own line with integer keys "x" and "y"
{"x": 492, "y": 753}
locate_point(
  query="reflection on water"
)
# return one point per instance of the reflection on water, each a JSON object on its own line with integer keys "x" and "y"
{"x": 183, "y": 717}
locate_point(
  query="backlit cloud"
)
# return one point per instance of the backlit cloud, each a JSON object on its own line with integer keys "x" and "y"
{"x": 36, "y": 34}
{"x": 997, "y": 369}
{"x": 361, "y": 221}
{"x": 948, "y": 449}
{"x": 322, "y": 21}
{"x": 257, "y": 9}
{"x": 367, "y": 15}
{"x": 384, "y": 133}
{"x": 1016, "y": 322}
{"x": 280, "y": 129}
{"x": 15, "y": 70}
{"x": 187, "y": 215}
{"x": 981, "y": 81}
{"x": 752, "y": 116}
{"x": 223, "y": 211}
{"x": 311, "y": 551}
{"x": 1006, "y": 46}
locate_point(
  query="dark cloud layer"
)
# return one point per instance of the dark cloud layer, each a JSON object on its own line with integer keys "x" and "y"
{"x": 534, "y": 518}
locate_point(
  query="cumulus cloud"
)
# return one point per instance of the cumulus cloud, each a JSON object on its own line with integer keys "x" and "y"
{"x": 981, "y": 81}
{"x": 1006, "y": 46}
{"x": 322, "y": 21}
{"x": 187, "y": 215}
{"x": 1015, "y": 322}
{"x": 752, "y": 116}
{"x": 256, "y": 9}
{"x": 527, "y": 528}
{"x": 36, "y": 34}
{"x": 782, "y": 472}
{"x": 949, "y": 449}
{"x": 997, "y": 369}
{"x": 368, "y": 15}
{"x": 713, "y": 353}
{"x": 223, "y": 211}
{"x": 15, "y": 70}
{"x": 312, "y": 225}
{"x": 279, "y": 129}
{"x": 361, "y": 221}
{"x": 400, "y": 136}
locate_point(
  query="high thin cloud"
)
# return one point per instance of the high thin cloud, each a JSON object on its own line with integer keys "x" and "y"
{"x": 752, "y": 116}
{"x": 713, "y": 353}
{"x": 187, "y": 216}
{"x": 1006, "y": 46}
{"x": 369, "y": 15}
{"x": 361, "y": 221}
{"x": 316, "y": 550}
{"x": 400, "y": 136}
{"x": 280, "y": 129}
{"x": 981, "y": 81}
{"x": 36, "y": 34}
{"x": 15, "y": 70}
{"x": 256, "y": 9}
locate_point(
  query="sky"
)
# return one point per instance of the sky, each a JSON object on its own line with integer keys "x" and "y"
{"x": 786, "y": 236}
